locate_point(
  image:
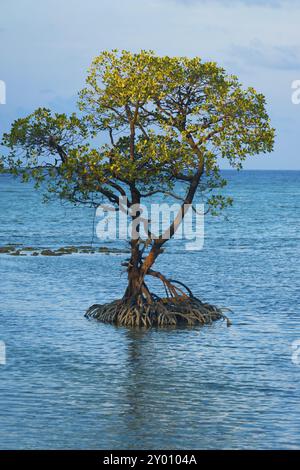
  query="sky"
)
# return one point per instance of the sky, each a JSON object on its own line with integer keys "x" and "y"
{"x": 46, "y": 48}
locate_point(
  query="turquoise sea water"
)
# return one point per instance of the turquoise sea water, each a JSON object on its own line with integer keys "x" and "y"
{"x": 72, "y": 383}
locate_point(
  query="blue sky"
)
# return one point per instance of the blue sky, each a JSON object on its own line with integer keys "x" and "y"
{"x": 46, "y": 48}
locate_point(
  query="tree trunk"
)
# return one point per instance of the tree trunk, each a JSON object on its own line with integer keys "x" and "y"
{"x": 137, "y": 271}
{"x": 135, "y": 284}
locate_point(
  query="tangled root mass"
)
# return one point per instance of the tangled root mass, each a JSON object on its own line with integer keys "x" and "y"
{"x": 160, "y": 312}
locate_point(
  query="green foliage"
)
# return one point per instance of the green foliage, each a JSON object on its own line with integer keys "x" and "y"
{"x": 162, "y": 120}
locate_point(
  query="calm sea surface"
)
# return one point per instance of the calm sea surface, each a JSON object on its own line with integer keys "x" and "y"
{"x": 73, "y": 383}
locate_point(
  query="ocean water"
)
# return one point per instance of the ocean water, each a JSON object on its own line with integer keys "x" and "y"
{"x": 72, "y": 383}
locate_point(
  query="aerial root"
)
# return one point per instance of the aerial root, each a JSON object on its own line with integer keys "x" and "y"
{"x": 160, "y": 312}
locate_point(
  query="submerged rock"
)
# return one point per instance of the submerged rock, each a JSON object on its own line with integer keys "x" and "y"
{"x": 103, "y": 249}
{"x": 7, "y": 248}
{"x": 68, "y": 249}
{"x": 50, "y": 253}
{"x": 16, "y": 253}
{"x": 18, "y": 250}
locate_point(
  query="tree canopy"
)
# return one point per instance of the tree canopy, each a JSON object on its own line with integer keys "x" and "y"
{"x": 144, "y": 122}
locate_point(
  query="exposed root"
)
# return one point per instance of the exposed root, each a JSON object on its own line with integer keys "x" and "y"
{"x": 160, "y": 312}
